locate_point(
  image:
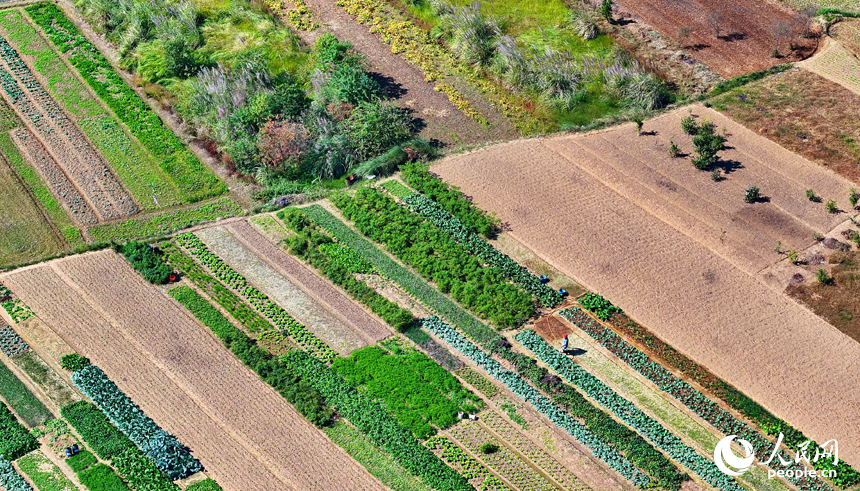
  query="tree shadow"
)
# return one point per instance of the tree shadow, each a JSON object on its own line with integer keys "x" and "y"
{"x": 648, "y": 133}
{"x": 728, "y": 166}
{"x": 735, "y": 36}
{"x": 624, "y": 22}
{"x": 391, "y": 88}
{"x": 698, "y": 47}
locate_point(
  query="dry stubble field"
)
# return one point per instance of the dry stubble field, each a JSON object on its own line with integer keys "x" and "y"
{"x": 610, "y": 225}
{"x": 246, "y": 435}
{"x": 837, "y": 64}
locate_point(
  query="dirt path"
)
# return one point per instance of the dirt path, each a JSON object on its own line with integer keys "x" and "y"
{"x": 434, "y": 114}
{"x": 703, "y": 304}
{"x": 246, "y": 435}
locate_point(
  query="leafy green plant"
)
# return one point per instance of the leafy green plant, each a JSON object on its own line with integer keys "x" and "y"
{"x": 817, "y": 237}
{"x": 74, "y": 361}
{"x": 639, "y": 120}
{"x": 823, "y": 276}
{"x": 674, "y": 149}
{"x": 10, "y": 479}
{"x": 792, "y": 256}
{"x": 489, "y": 447}
{"x": 853, "y": 197}
{"x": 810, "y": 195}
{"x": 606, "y": 10}
{"x": 147, "y": 261}
{"x": 81, "y": 460}
{"x": 101, "y": 478}
{"x": 602, "y": 308}
{"x": 689, "y": 125}
{"x": 716, "y": 175}
{"x": 831, "y": 207}
{"x": 44, "y": 473}
{"x": 204, "y": 485}
{"x": 751, "y": 194}
{"x": 15, "y": 440}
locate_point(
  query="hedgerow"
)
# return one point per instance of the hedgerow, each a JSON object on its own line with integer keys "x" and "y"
{"x": 307, "y": 400}
{"x": 627, "y": 412}
{"x": 15, "y": 440}
{"x": 704, "y": 407}
{"x": 337, "y": 262}
{"x": 372, "y": 420}
{"x": 436, "y": 257}
{"x": 169, "y": 455}
{"x": 526, "y": 392}
{"x": 279, "y": 317}
{"x": 194, "y": 180}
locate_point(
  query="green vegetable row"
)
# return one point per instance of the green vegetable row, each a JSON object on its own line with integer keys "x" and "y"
{"x": 10, "y": 479}
{"x": 15, "y": 440}
{"x": 470, "y": 468}
{"x": 436, "y": 257}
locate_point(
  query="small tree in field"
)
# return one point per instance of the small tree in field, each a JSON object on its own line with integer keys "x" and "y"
{"x": 606, "y": 10}
{"x": 715, "y": 20}
{"x": 752, "y": 194}
{"x": 810, "y": 195}
{"x": 683, "y": 34}
{"x": 830, "y": 206}
{"x": 822, "y": 276}
{"x": 853, "y": 197}
{"x": 283, "y": 143}
{"x": 639, "y": 120}
{"x": 674, "y": 149}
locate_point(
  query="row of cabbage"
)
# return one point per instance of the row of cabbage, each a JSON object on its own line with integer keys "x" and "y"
{"x": 511, "y": 269}
{"x": 704, "y": 407}
{"x": 10, "y": 480}
{"x": 170, "y": 456}
{"x": 255, "y": 297}
{"x": 540, "y": 402}
{"x": 627, "y": 412}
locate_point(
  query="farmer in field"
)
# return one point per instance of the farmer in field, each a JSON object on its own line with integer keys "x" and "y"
{"x": 564, "y": 344}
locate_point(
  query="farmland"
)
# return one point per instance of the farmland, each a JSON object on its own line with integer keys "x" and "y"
{"x": 837, "y": 64}
{"x": 717, "y": 273}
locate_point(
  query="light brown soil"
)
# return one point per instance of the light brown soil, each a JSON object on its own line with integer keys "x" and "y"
{"x": 837, "y": 64}
{"x": 551, "y": 328}
{"x": 847, "y": 32}
{"x": 749, "y": 31}
{"x": 392, "y": 291}
{"x": 327, "y": 326}
{"x": 585, "y": 212}
{"x": 246, "y": 435}
{"x": 803, "y": 113}
{"x": 372, "y": 329}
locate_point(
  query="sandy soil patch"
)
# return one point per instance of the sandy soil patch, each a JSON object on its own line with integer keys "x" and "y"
{"x": 246, "y": 435}
{"x": 332, "y": 330}
{"x": 836, "y": 64}
{"x": 667, "y": 277}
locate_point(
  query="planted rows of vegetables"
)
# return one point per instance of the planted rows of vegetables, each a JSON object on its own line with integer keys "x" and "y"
{"x": 373, "y": 420}
{"x": 414, "y": 285}
{"x": 112, "y": 445}
{"x": 11, "y": 343}
{"x": 478, "y": 381}
{"x": 526, "y": 392}
{"x": 704, "y": 407}
{"x": 225, "y": 297}
{"x": 339, "y": 264}
{"x": 14, "y": 307}
{"x": 511, "y": 269}
{"x": 450, "y": 199}
{"x": 44, "y": 474}
{"x": 420, "y": 394}
{"x": 15, "y": 440}
{"x": 468, "y": 467}
{"x": 10, "y": 480}
{"x": 532, "y": 452}
{"x": 194, "y": 180}
{"x": 279, "y": 317}
{"x": 306, "y": 399}
{"x": 627, "y": 412}
{"x": 170, "y": 456}
{"x": 504, "y": 462}
{"x": 436, "y": 257}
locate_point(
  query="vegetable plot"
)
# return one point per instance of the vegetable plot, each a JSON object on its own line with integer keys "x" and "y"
{"x": 693, "y": 399}
{"x": 168, "y": 454}
{"x": 627, "y": 412}
{"x": 279, "y": 317}
{"x": 526, "y": 392}
{"x": 468, "y": 467}
{"x": 10, "y": 479}
{"x": 15, "y": 441}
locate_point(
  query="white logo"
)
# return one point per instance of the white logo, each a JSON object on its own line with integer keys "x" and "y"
{"x": 723, "y": 455}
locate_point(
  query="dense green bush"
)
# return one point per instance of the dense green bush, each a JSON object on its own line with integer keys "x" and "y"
{"x": 205, "y": 485}
{"x": 15, "y": 440}
{"x": 602, "y": 308}
{"x": 376, "y": 126}
{"x": 74, "y": 362}
{"x": 81, "y": 460}
{"x": 147, "y": 261}
{"x": 101, "y": 478}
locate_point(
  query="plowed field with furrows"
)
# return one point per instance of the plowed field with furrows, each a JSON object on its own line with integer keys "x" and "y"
{"x": 591, "y": 205}
{"x": 246, "y": 435}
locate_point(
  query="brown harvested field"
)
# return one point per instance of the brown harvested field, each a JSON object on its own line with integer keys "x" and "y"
{"x": 246, "y": 435}
{"x": 323, "y": 292}
{"x": 804, "y": 113}
{"x": 837, "y": 64}
{"x": 328, "y": 327}
{"x": 749, "y": 31}
{"x": 592, "y": 206}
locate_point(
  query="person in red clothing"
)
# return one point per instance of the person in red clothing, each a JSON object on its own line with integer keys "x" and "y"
{"x": 564, "y": 343}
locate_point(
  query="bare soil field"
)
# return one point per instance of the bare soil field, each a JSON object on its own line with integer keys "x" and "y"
{"x": 804, "y": 113}
{"x": 246, "y": 435}
{"x": 847, "y": 32}
{"x": 837, "y": 64}
{"x": 323, "y": 292}
{"x": 749, "y": 31}
{"x": 332, "y": 329}
{"x": 622, "y": 236}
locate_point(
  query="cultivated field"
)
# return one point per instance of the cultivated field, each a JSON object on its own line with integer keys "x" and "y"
{"x": 749, "y": 31}
{"x": 245, "y": 434}
{"x": 574, "y": 199}
{"x": 837, "y": 64}
{"x": 847, "y": 32}
{"x": 331, "y": 328}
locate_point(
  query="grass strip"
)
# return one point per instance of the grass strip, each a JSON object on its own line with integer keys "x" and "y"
{"x": 408, "y": 281}
{"x": 374, "y": 459}
{"x": 20, "y": 399}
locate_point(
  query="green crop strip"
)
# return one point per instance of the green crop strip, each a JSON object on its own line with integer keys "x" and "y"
{"x": 15, "y": 441}
{"x": 19, "y": 397}
{"x": 408, "y": 281}
{"x": 10, "y": 479}
{"x": 205, "y": 485}
{"x": 44, "y": 473}
{"x": 193, "y": 179}
{"x": 101, "y": 478}
{"x": 469, "y": 467}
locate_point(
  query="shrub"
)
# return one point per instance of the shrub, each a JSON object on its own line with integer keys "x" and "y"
{"x": 810, "y": 195}
{"x": 74, "y": 361}
{"x": 674, "y": 149}
{"x": 351, "y": 84}
{"x": 853, "y": 197}
{"x": 717, "y": 175}
{"x": 582, "y": 24}
{"x": 639, "y": 120}
{"x": 489, "y": 447}
{"x": 752, "y": 194}
{"x": 599, "y": 306}
{"x": 374, "y": 127}
{"x": 147, "y": 261}
{"x": 792, "y": 256}
{"x": 822, "y": 276}
{"x": 817, "y": 237}
{"x": 606, "y": 10}
{"x": 282, "y": 143}
{"x": 831, "y": 207}
{"x": 689, "y": 125}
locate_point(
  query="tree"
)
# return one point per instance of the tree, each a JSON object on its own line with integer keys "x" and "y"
{"x": 283, "y": 143}
{"x": 606, "y": 10}
{"x": 853, "y": 197}
{"x": 780, "y": 31}
{"x": 374, "y": 127}
{"x": 822, "y": 276}
{"x": 639, "y": 120}
{"x": 831, "y": 207}
{"x": 683, "y": 34}
{"x": 715, "y": 20}
{"x": 752, "y": 194}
